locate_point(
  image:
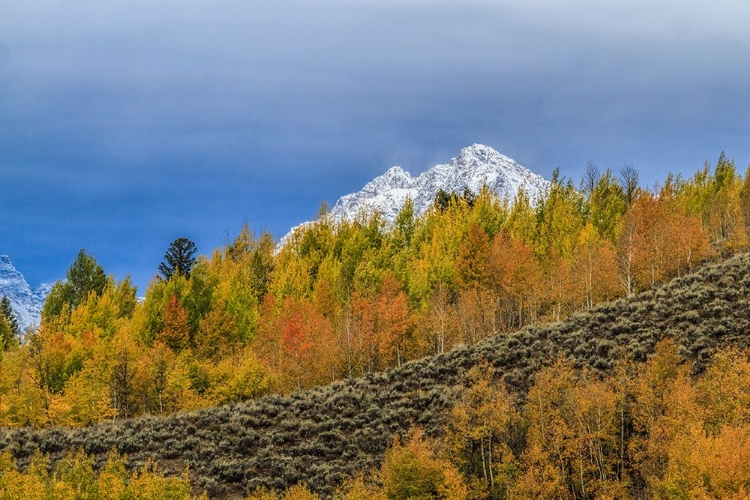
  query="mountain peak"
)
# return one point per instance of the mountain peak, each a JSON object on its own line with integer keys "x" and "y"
{"x": 479, "y": 151}
{"x": 475, "y": 166}
{"x": 395, "y": 177}
{"x": 479, "y": 155}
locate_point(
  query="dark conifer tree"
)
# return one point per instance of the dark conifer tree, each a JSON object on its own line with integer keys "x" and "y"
{"x": 442, "y": 199}
{"x": 179, "y": 258}
{"x": 6, "y": 310}
{"x": 469, "y": 196}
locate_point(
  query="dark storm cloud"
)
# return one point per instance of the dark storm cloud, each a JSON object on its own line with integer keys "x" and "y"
{"x": 126, "y": 124}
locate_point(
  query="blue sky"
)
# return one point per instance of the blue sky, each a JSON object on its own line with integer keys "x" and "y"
{"x": 125, "y": 124}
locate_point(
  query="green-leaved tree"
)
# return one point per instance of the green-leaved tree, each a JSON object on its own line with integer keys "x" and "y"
{"x": 84, "y": 276}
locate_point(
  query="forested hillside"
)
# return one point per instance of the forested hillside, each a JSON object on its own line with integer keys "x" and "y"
{"x": 323, "y": 436}
{"x": 343, "y": 307}
{"x": 346, "y": 299}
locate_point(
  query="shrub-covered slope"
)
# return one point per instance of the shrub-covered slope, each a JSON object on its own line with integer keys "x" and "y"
{"x": 324, "y": 435}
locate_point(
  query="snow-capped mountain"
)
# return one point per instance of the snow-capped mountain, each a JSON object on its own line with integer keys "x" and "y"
{"x": 474, "y": 167}
{"x": 27, "y": 303}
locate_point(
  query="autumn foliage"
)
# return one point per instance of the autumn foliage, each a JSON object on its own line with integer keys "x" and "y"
{"x": 346, "y": 298}
{"x": 647, "y": 430}
{"x": 75, "y": 478}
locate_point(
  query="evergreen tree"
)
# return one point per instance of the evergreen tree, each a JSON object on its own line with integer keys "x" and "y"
{"x": 469, "y": 196}
{"x": 6, "y": 311}
{"x": 84, "y": 276}
{"x": 179, "y": 258}
{"x": 442, "y": 199}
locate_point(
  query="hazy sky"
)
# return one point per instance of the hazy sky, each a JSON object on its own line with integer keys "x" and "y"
{"x": 125, "y": 124}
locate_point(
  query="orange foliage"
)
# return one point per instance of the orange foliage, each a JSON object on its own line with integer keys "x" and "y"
{"x": 176, "y": 332}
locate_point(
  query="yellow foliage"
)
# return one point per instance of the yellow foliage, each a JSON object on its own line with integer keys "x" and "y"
{"x": 298, "y": 492}
{"x": 359, "y": 489}
{"x": 74, "y": 478}
{"x": 414, "y": 471}
{"x": 86, "y": 399}
{"x": 238, "y": 378}
{"x": 480, "y": 429}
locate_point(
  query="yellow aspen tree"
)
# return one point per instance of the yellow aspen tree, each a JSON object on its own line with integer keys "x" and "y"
{"x": 745, "y": 202}
{"x": 480, "y": 434}
{"x": 359, "y": 488}
{"x": 664, "y": 408}
{"x": 477, "y": 314}
{"x": 595, "y": 268}
{"x": 413, "y": 471}
{"x": 725, "y": 216}
{"x": 489, "y": 212}
{"x": 439, "y": 321}
{"x": 723, "y": 391}
{"x": 471, "y": 263}
{"x": 393, "y": 322}
{"x": 217, "y": 335}
{"x": 238, "y": 377}
{"x": 151, "y": 378}
{"x": 560, "y": 219}
{"x": 607, "y": 206}
{"x": 86, "y": 399}
{"x": 521, "y": 223}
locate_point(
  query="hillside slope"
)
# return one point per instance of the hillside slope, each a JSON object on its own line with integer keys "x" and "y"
{"x": 324, "y": 435}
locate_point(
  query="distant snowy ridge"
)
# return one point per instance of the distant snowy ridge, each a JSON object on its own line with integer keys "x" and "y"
{"x": 27, "y": 303}
{"x": 474, "y": 167}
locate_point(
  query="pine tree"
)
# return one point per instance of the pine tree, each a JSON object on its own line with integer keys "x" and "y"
{"x": 6, "y": 310}
{"x": 442, "y": 200}
{"x": 179, "y": 258}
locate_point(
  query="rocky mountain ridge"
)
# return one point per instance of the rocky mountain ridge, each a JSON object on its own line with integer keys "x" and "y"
{"x": 475, "y": 166}
{"x": 27, "y": 302}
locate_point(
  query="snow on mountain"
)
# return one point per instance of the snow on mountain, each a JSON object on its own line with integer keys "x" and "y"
{"x": 27, "y": 303}
{"x": 474, "y": 167}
